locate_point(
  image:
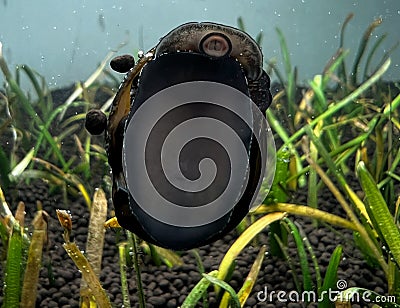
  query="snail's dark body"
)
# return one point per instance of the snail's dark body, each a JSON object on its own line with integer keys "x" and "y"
{"x": 193, "y": 52}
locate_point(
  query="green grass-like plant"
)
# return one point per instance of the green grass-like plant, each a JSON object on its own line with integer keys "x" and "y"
{"x": 315, "y": 154}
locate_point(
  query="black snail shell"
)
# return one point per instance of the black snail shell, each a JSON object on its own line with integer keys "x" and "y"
{"x": 186, "y": 136}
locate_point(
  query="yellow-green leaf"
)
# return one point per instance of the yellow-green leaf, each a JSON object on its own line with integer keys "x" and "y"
{"x": 243, "y": 240}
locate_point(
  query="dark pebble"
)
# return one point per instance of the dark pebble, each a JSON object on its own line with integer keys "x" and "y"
{"x": 234, "y": 284}
{"x": 178, "y": 283}
{"x": 251, "y": 301}
{"x": 59, "y": 282}
{"x": 379, "y": 290}
{"x": 66, "y": 291}
{"x": 156, "y": 300}
{"x": 164, "y": 284}
{"x": 68, "y": 275}
{"x": 171, "y": 303}
{"x": 269, "y": 269}
{"x": 175, "y": 293}
{"x": 63, "y": 300}
{"x": 184, "y": 277}
{"x": 158, "y": 292}
{"x": 52, "y": 304}
{"x": 313, "y": 240}
{"x": 151, "y": 286}
{"x": 181, "y": 299}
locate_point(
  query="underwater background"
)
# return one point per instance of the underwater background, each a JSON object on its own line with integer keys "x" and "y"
{"x": 65, "y": 41}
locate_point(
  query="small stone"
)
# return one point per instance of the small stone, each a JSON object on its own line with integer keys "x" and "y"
{"x": 178, "y": 283}
{"x": 156, "y": 300}
{"x": 251, "y": 301}
{"x": 63, "y": 300}
{"x": 171, "y": 303}
{"x": 164, "y": 284}
{"x": 151, "y": 286}
{"x": 159, "y": 292}
{"x": 59, "y": 282}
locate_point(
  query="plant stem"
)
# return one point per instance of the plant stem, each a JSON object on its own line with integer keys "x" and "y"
{"x": 132, "y": 239}
{"x": 124, "y": 282}
{"x": 307, "y": 211}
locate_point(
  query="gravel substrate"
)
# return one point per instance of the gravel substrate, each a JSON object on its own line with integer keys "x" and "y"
{"x": 166, "y": 287}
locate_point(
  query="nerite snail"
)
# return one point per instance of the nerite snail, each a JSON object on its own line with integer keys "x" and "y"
{"x": 187, "y": 139}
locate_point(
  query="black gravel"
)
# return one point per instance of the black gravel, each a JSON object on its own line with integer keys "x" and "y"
{"x": 165, "y": 287}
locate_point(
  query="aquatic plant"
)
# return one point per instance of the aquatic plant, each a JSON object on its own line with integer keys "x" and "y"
{"x": 23, "y": 254}
{"x": 321, "y": 146}
{"x": 326, "y": 121}
{"x": 315, "y": 153}
{"x": 39, "y": 130}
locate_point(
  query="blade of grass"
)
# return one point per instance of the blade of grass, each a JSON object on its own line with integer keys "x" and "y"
{"x": 34, "y": 264}
{"x": 81, "y": 262}
{"x": 372, "y": 53}
{"x": 290, "y": 85}
{"x": 132, "y": 240}
{"x": 25, "y": 102}
{"x": 13, "y": 269}
{"x": 290, "y": 263}
{"x": 33, "y": 79}
{"x": 22, "y": 165}
{"x": 198, "y": 291}
{"x": 54, "y": 146}
{"x": 78, "y": 91}
{"x": 249, "y": 282}
{"x": 307, "y": 211}
{"x": 278, "y": 193}
{"x": 361, "y": 50}
{"x": 124, "y": 281}
{"x": 169, "y": 257}
{"x": 288, "y": 146}
{"x": 240, "y": 24}
{"x": 20, "y": 214}
{"x": 251, "y": 278}
{"x": 199, "y": 262}
{"x": 234, "y": 303}
{"x": 330, "y": 280}
{"x": 335, "y": 62}
{"x": 57, "y": 176}
{"x": 95, "y": 238}
{"x": 381, "y": 218}
{"x": 243, "y": 240}
{"x": 342, "y": 70}
{"x": 305, "y": 269}
{"x": 312, "y": 255}
{"x": 312, "y": 194}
